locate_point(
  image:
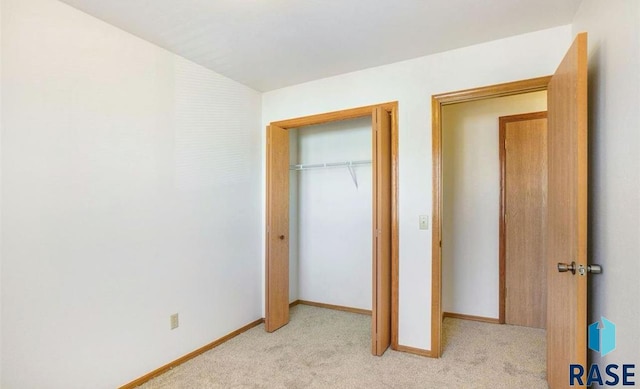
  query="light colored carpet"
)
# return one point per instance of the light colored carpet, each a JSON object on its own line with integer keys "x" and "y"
{"x": 322, "y": 348}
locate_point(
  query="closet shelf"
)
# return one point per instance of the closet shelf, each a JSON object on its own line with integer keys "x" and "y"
{"x": 348, "y": 164}
{"x": 330, "y": 165}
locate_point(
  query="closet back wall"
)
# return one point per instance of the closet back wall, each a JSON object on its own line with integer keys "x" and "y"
{"x": 334, "y": 217}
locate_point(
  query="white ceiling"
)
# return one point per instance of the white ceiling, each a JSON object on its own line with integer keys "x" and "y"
{"x": 268, "y": 44}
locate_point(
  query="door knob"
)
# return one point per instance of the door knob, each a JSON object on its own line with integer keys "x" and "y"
{"x": 281, "y": 237}
{"x": 595, "y": 269}
{"x": 565, "y": 267}
{"x": 582, "y": 270}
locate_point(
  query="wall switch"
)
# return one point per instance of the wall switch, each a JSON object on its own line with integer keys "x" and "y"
{"x": 174, "y": 321}
{"x": 424, "y": 222}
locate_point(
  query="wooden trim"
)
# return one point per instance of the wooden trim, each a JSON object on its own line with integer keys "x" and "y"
{"x": 375, "y": 176}
{"x": 139, "y": 381}
{"x": 334, "y": 307}
{"x": 395, "y": 238}
{"x": 437, "y": 102}
{"x": 392, "y": 108}
{"x": 436, "y": 230}
{"x": 502, "y": 266}
{"x": 502, "y": 227}
{"x": 294, "y": 303}
{"x": 493, "y": 91}
{"x": 334, "y": 116}
{"x": 471, "y": 317}
{"x": 413, "y": 350}
{"x": 266, "y": 228}
{"x": 582, "y": 155}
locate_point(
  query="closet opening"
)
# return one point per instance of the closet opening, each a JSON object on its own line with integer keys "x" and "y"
{"x": 331, "y": 219}
{"x": 490, "y": 185}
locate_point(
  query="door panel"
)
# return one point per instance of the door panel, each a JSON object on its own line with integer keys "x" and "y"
{"x": 525, "y": 198}
{"x": 381, "y": 312}
{"x": 277, "y": 266}
{"x": 567, "y": 214}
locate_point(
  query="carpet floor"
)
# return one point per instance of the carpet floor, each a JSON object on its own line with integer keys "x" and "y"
{"x": 323, "y": 348}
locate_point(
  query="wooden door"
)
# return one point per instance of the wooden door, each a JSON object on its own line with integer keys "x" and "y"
{"x": 277, "y": 266}
{"x": 567, "y": 214}
{"x": 381, "y": 312}
{"x": 523, "y": 157}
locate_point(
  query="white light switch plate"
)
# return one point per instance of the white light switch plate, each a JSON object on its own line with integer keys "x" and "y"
{"x": 174, "y": 321}
{"x": 424, "y": 222}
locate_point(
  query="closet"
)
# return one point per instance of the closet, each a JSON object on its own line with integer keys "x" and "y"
{"x": 330, "y": 214}
{"x": 330, "y": 217}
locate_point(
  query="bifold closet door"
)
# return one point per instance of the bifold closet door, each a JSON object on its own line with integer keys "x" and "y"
{"x": 277, "y": 266}
{"x": 381, "y": 312}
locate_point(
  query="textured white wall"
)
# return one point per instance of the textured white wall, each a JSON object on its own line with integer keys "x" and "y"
{"x": 293, "y": 218}
{"x": 412, "y": 83}
{"x": 335, "y": 217}
{"x": 131, "y": 191}
{"x": 1, "y": 192}
{"x": 471, "y": 200}
{"x": 614, "y": 164}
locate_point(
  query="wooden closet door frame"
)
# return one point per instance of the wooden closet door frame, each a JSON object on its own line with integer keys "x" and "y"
{"x": 437, "y": 102}
{"x": 354, "y": 113}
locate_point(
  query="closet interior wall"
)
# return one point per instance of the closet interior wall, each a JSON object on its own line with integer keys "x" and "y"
{"x": 330, "y": 245}
{"x": 293, "y": 218}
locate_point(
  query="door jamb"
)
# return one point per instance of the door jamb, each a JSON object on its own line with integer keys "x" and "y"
{"x": 353, "y": 113}
{"x": 437, "y": 102}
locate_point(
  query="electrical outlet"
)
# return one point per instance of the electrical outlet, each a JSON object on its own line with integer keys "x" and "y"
{"x": 174, "y": 321}
{"x": 424, "y": 222}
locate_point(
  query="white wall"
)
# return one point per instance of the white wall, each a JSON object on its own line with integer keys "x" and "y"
{"x": 614, "y": 164}
{"x": 335, "y": 217}
{"x": 1, "y": 193}
{"x": 471, "y": 200}
{"x": 131, "y": 191}
{"x": 412, "y": 83}
{"x": 293, "y": 218}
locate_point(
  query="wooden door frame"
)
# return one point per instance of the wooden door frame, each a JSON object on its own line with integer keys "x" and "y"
{"x": 354, "y": 113}
{"x": 502, "y": 254}
{"x": 437, "y": 102}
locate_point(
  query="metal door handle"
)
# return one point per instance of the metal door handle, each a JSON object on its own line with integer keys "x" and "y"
{"x": 595, "y": 269}
{"x": 582, "y": 270}
{"x": 564, "y": 267}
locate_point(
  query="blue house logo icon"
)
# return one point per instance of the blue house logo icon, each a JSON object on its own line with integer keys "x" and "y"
{"x": 602, "y": 336}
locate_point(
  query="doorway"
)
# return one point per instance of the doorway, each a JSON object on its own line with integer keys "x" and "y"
{"x": 471, "y": 245}
{"x": 438, "y": 103}
{"x": 566, "y": 203}
{"x": 384, "y": 216}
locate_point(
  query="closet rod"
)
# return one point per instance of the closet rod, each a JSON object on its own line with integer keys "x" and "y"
{"x": 330, "y": 165}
